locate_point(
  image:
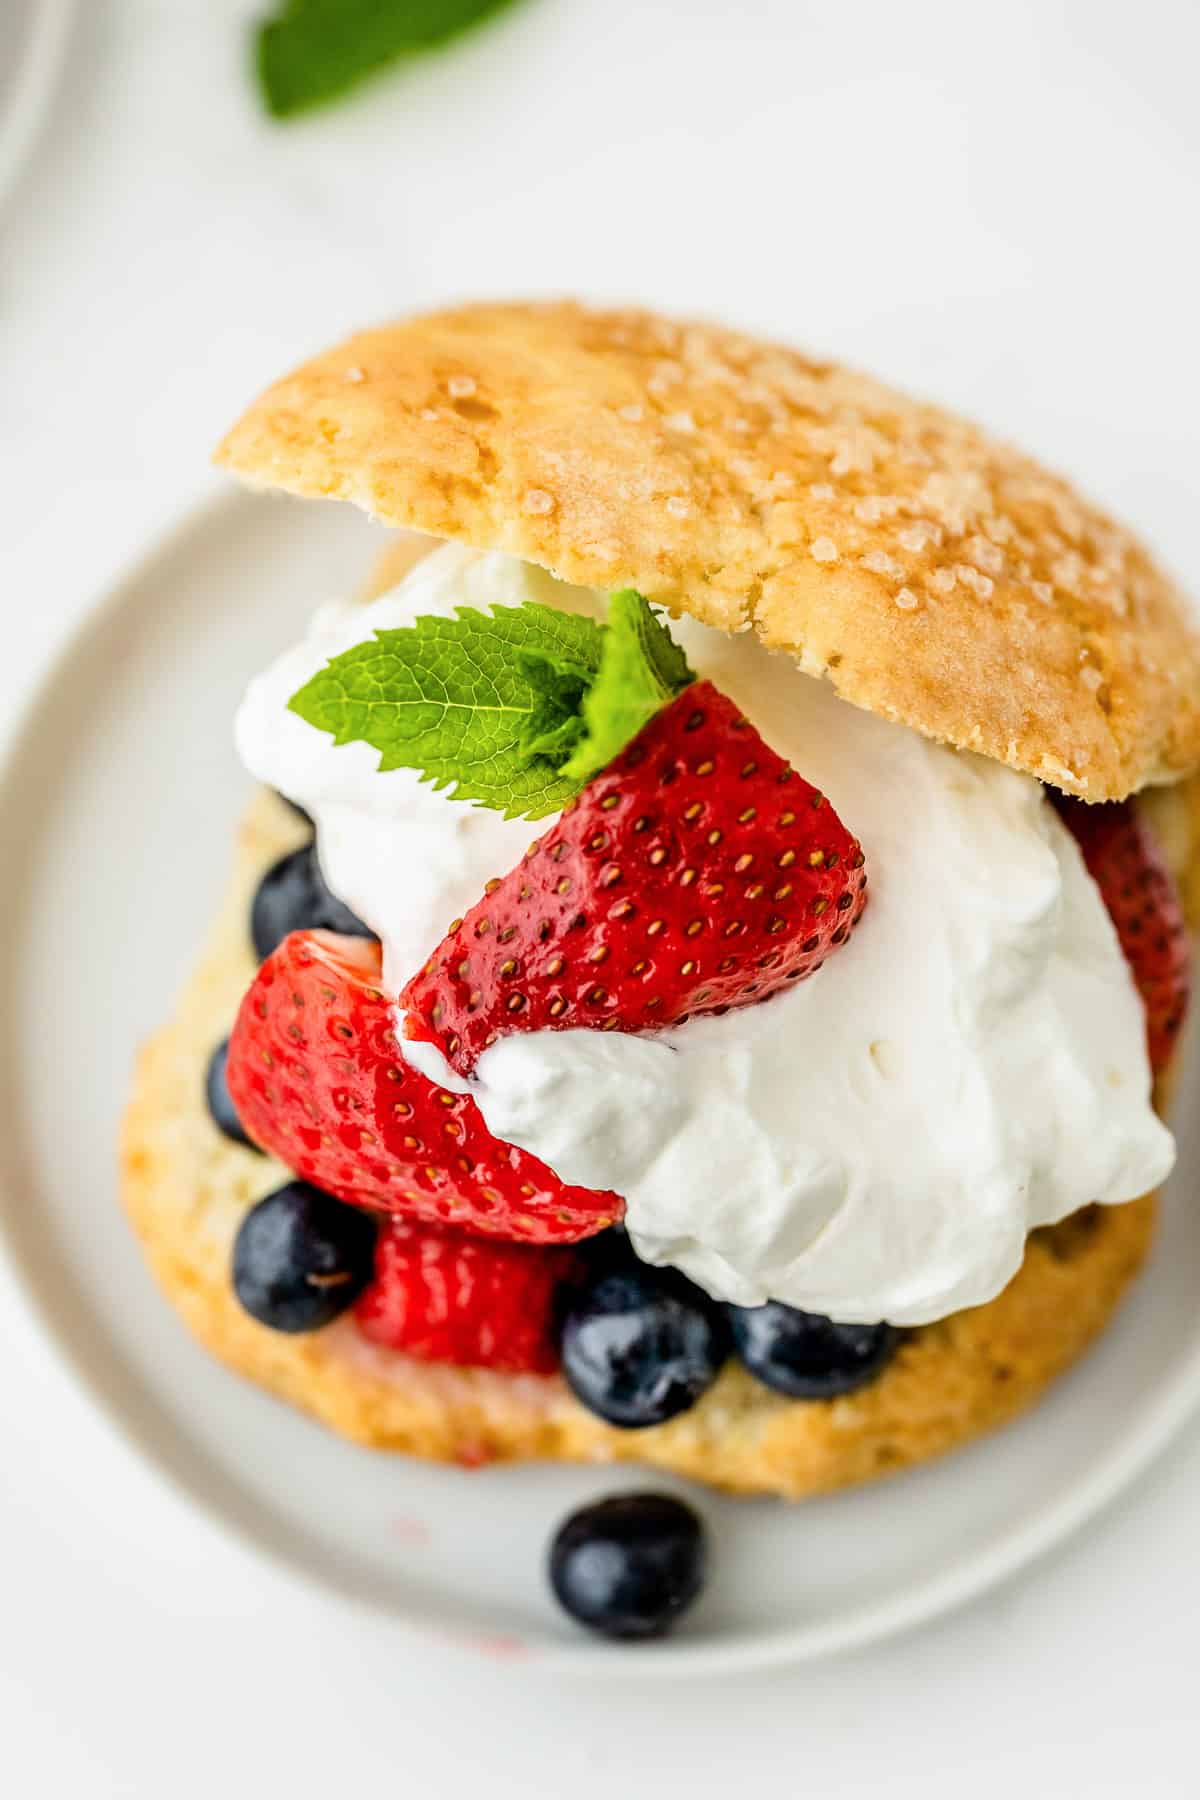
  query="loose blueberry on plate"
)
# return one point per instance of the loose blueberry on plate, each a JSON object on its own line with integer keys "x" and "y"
{"x": 301, "y": 1257}
{"x": 220, "y": 1104}
{"x": 805, "y": 1355}
{"x": 628, "y": 1567}
{"x": 292, "y": 896}
{"x": 640, "y": 1344}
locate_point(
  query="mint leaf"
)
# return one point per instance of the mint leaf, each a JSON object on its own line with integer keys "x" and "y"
{"x": 513, "y": 709}
{"x": 485, "y": 704}
{"x": 641, "y": 668}
{"x": 311, "y": 51}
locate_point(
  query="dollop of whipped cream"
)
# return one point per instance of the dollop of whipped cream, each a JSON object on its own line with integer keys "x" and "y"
{"x": 877, "y": 1141}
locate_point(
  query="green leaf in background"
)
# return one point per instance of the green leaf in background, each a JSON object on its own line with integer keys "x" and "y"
{"x": 641, "y": 668}
{"x": 487, "y": 703}
{"x": 311, "y": 51}
{"x": 512, "y": 709}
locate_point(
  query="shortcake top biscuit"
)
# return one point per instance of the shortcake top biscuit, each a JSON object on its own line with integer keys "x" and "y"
{"x": 934, "y": 575}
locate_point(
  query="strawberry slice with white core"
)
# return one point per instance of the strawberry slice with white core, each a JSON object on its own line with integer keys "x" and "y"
{"x": 696, "y": 873}
{"x": 316, "y": 1076}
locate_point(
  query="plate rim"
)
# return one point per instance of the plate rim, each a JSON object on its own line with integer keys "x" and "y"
{"x": 968, "y": 1578}
{"x": 37, "y": 77}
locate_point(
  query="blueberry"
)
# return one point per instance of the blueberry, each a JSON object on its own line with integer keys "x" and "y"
{"x": 301, "y": 1257}
{"x": 630, "y": 1566}
{"x": 292, "y": 896}
{"x": 220, "y": 1105}
{"x": 608, "y": 1249}
{"x": 640, "y": 1345}
{"x": 805, "y": 1355}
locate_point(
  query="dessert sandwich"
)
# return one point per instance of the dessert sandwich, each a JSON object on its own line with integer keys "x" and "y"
{"x": 703, "y": 969}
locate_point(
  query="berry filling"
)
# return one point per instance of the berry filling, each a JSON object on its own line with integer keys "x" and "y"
{"x": 691, "y": 871}
{"x": 1126, "y": 864}
{"x": 293, "y": 896}
{"x": 445, "y": 1297}
{"x": 640, "y": 1345}
{"x": 697, "y": 873}
{"x": 316, "y": 1076}
{"x": 301, "y": 1258}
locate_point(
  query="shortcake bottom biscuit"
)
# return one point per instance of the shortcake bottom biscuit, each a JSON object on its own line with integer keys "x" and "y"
{"x": 186, "y": 1189}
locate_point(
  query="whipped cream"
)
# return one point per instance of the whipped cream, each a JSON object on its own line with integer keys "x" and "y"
{"x": 875, "y": 1142}
{"x": 406, "y": 859}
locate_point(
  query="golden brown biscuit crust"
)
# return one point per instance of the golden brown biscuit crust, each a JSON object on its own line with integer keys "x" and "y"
{"x": 934, "y": 575}
{"x": 186, "y": 1189}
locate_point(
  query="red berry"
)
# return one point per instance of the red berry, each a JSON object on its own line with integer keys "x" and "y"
{"x": 1126, "y": 864}
{"x": 696, "y": 873}
{"x": 316, "y": 1077}
{"x": 449, "y": 1298}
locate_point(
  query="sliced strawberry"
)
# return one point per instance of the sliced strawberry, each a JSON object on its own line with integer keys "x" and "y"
{"x": 696, "y": 873}
{"x": 449, "y": 1298}
{"x": 1125, "y": 862}
{"x": 315, "y": 1076}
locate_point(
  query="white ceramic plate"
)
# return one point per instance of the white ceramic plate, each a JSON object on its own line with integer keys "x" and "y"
{"x": 32, "y": 40}
{"x": 116, "y": 812}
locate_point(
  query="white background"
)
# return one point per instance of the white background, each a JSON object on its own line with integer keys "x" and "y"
{"x": 994, "y": 203}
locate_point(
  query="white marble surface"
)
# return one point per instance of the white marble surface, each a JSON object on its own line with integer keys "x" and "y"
{"x": 996, "y": 204}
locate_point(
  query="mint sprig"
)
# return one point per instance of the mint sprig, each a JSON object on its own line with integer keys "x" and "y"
{"x": 308, "y": 52}
{"x": 512, "y": 709}
{"x": 641, "y": 668}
